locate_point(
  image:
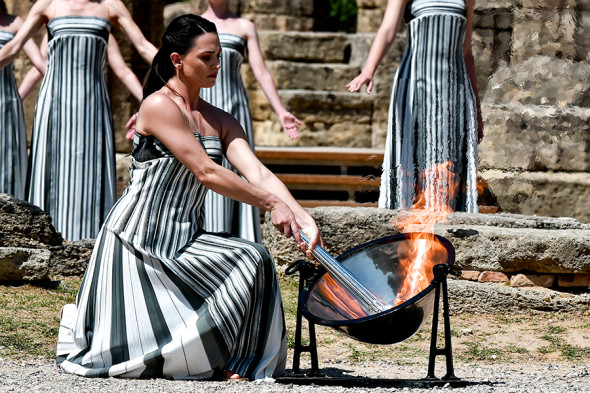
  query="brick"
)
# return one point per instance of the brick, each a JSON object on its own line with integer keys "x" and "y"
{"x": 574, "y": 280}
{"x": 529, "y": 280}
{"x": 493, "y": 277}
{"x": 471, "y": 275}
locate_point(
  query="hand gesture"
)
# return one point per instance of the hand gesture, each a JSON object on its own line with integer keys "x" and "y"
{"x": 131, "y": 127}
{"x": 289, "y": 123}
{"x": 362, "y": 79}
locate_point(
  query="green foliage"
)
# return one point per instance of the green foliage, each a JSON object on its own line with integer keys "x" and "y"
{"x": 342, "y": 15}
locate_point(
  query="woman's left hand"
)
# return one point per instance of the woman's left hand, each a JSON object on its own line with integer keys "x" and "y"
{"x": 312, "y": 231}
{"x": 289, "y": 123}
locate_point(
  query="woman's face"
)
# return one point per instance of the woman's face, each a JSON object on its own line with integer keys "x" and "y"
{"x": 201, "y": 64}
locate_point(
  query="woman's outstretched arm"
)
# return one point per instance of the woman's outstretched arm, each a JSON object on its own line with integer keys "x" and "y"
{"x": 122, "y": 70}
{"x": 288, "y": 121}
{"x": 32, "y": 23}
{"x": 123, "y": 18}
{"x": 162, "y": 117}
{"x": 383, "y": 40}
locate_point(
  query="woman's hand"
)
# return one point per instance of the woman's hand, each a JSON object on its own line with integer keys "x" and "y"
{"x": 131, "y": 127}
{"x": 312, "y": 231}
{"x": 362, "y": 79}
{"x": 289, "y": 123}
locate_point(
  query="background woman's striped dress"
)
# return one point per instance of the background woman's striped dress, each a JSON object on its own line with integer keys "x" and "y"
{"x": 162, "y": 298}
{"x": 229, "y": 94}
{"x": 13, "y": 136}
{"x": 432, "y": 115}
{"x": 72, "y": 174}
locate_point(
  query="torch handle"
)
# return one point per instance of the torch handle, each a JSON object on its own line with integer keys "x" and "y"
{"x": 344, "y": 277}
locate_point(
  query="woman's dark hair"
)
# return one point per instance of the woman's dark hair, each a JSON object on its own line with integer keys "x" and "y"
{"x": 3, "y": 7}
{"x": 179, "y": 37}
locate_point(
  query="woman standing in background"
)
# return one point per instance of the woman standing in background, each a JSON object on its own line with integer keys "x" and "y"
{"x": 13, "y": 135}
{"x": 72, "y": 173}
{"x": 236, "y": 36}
{"x": 434, "y": 114}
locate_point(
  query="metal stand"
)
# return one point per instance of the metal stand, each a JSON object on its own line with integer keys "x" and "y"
{"x": 307, "y": 274}
{"x": 440, "y": 278}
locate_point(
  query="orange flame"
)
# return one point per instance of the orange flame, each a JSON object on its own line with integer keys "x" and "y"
{"x": 422, "y": 250}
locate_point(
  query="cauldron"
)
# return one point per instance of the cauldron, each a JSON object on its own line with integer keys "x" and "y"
{"x": 374, "y": 264}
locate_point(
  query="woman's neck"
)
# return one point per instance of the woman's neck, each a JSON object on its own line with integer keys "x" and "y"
{"x": 189, "y": 96}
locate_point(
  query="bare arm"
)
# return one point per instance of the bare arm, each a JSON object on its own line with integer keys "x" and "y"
{"x": 122, "y": 70}
{"x": 33, "y": 53}
{"x": 383, "y": 40}
{"x": 470, "y": 65}
{"x": 123, "y": 18}
{"x": 161, "y": 117}
{"x": 288, "y": 121}
{"x": 29, "y": 82}
{"x": 32, "y": 23}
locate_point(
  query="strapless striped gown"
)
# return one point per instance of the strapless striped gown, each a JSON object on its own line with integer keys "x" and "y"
{"x": 72, "y": 174}
{"x": 229, "y": 94}
{"x": 432, "y": 114}
{"x": 162, "y": 298}
{"x": 13, "y": 136}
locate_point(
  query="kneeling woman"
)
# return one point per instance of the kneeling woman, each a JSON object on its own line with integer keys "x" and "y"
{"x": 161, "y": 297}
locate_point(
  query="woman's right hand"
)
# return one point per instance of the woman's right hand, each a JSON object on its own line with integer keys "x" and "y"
{"x": 362, "y": 79}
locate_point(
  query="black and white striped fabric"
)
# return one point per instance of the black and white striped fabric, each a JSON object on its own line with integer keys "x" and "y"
{"x": 432, "y": 114}
{"x": 229, "y": 94}
{"x": 13, "y": 136}
{"x": 161, "y": 297}
{"x": 72, "y": 174}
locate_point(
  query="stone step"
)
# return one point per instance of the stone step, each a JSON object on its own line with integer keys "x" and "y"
{"x": 535, "y": 138}
{"x": 541, "y": 193}
{"x": 308, "y": 47}
{"x": 308, "y": 76}
{"x": 328, "y": 119}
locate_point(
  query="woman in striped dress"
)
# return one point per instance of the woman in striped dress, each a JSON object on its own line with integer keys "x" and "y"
{"x": 161, "y": 297}
{"x": 13, "y": 136}
{"x": 72, "y": 172}
{"x": 236, "y": 35}
{"x": 434, "y": 114}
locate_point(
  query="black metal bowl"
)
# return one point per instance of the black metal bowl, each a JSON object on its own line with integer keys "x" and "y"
{"x": 374, "y": 264}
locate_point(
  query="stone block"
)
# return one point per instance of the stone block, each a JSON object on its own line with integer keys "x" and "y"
{"x": 574, "y": 281}
{"x": 24, "y": 225}
{"x": 305, "y": 46}
{"x": 325, "y": 77}
{"x": 280, "y": 22}
{"x": 287, "y": 7}
{"x": 371, "y": 3}
{"x": 369, "y": 20}
{"x": 541, "y": 193}
{"x": 532, "y": 280}
{"x": 24, "y": 264}
{"x": 493, "y": 277}
{"x": 541, "y": 80}
{"x": 544, "y": 32}
{"x": 328, "y": 107}
{"x": 535, "y": 138}
{"x": 484, "y": 242}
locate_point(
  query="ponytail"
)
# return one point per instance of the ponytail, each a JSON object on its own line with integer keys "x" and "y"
{"x": 179, "y": 37}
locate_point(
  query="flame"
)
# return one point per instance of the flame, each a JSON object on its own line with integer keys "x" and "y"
{"x": 338, "y": 297}
{"x": 422, "y": 250}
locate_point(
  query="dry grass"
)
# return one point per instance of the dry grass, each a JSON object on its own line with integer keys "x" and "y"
{"x": 29, "y": 321}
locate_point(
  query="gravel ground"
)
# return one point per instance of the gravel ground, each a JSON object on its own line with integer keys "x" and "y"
{"x": 43, "y": 376}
